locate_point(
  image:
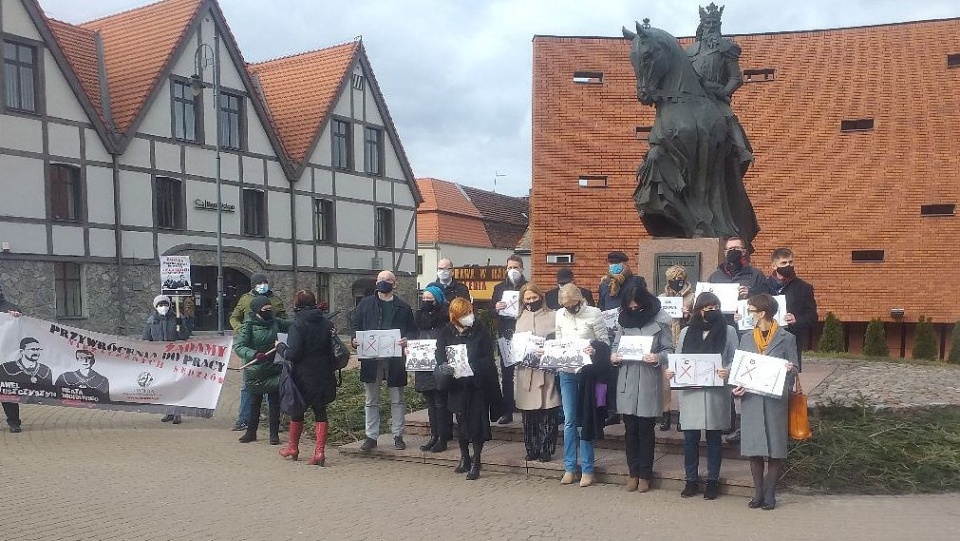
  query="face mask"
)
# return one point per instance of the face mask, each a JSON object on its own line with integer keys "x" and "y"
{"x": 616, "y": 268}
{"x": 262, "y": 288}
{"x": 429, "y": 305}
{"x": 535, "y": 306}
{"x": 444, "y": 275}
{"x": 163, "y": 310}
{"x": 787, "y": 272}
{"x": 384, "y": 286}
{"x": 712, "y": 316}
{"x": 514, "y": 275}
{"x": 734, "y": 257}
{"x": 676, "y": 285}
{"x": 266, "y": 315}
{"x": 467, "y": 320}
{"x": 575, "y": 308}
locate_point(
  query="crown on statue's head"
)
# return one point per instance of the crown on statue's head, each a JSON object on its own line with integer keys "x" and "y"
{"x": 711, "y": 13}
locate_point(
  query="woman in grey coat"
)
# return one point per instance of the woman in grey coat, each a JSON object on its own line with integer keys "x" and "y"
{"x": 640, "y": 383}
{"x": 763, "y": 420}
{"x": 705, "y": 408}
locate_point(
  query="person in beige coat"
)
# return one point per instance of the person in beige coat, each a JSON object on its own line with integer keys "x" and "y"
{"x": 677, "y": 286}
{"x": 536, "y": 391}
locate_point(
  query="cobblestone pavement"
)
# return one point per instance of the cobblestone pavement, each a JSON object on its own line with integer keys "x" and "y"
{"x": 888, "y": 384}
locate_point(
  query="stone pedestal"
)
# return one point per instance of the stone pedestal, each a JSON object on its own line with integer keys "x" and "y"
{"x": 654, "y": 256}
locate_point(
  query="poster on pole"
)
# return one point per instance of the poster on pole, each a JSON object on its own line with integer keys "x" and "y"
{"x": 55, "y": 364}
{"x": 175, "y": 276}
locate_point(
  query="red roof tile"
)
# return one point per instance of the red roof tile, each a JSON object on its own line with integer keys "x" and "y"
{"x": 446, "y": 197}
{"x": 80, "y": 47}
{"x": 300, "y": 91}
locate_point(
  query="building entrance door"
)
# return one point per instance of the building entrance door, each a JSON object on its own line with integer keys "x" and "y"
{"x": 235, "y": 284}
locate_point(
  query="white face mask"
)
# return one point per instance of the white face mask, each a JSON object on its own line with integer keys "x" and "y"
{"x": 514, "y": 275}
{"x": 163, "y": 310}
{"x": 467, "y": 320}
{"x": 444, "y": 275}
{"x": 262, "y": 289}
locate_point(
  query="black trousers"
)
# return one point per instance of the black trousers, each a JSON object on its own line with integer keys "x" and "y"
{"x": 319, "y": 414}
{"x": 540, "y": 431}
{"x": 506, "y": 379}
{"x": 12, "y": 411}
{"x": 640, "y": 440}
{"x": 441, "y": 420}
{"x": 273, "y": 403}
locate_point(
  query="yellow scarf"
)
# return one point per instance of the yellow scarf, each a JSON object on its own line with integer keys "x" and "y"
{"x": 759, "y": 339}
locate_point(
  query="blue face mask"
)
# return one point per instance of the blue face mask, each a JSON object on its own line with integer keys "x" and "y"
{"x": 262, "y": 288}
{"x": 616, "y": 268}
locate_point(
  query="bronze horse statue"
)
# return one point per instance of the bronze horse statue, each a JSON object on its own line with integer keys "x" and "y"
{"x": 690, "y": 183}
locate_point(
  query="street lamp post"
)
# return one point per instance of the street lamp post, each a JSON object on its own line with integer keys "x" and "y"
{"x": 203, "y": 57}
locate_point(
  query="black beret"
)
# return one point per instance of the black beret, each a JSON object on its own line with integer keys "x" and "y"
{"x": 617, "y": 257}
{"x": 564, "y": 276}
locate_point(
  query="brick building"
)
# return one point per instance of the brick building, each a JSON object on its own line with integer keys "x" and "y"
{"x": 855, "y": 133}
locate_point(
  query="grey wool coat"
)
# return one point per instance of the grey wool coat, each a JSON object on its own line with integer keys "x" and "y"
{"x": 536, "y": 389}
{"x": 640, "y": 384}
{"x": 708, "y": 408}
{"x": 763, "y": 420}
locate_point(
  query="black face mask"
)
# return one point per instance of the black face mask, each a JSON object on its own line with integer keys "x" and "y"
{"x": 266, "y": 315}
{"x": 575, "y": 308}
{"x": 535, "y": 306}
{"x": 712, "y": 316}
{"x": 676, "y": 285}
{"x": 787, "y": 272}
{"x": 734, "y": 258}
{"x": 428, "y": 306}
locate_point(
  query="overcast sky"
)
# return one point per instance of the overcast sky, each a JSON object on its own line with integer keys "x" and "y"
{"x": 456, "y": 74}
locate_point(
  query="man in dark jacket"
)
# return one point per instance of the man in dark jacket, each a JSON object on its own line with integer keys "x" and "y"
{"x": 564, "y": 277}
{"x": 736, "y": 269}
{"x": 450, "y": 287}
{"x": 505, "y": 328}
{"x": 384, "y": 311}
{"x": 617, "y": 282}
{"x": 164, "y": 326}
{"x": 11, "y": 409}
{"x": 801, "y": 313}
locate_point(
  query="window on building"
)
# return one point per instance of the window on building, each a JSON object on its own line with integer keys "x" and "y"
{"x": 342, "y": 145}
{"x": 939, "y": 209}
{"x": 69, "y": 289}
{"x": 384, "y": 227}
{"x": 323, "y": 288}
{"x": 860, "y": 124}
{"x": 419, "y": 264}
{"x": 186, "y": 112}
{"x": 758, "y": 75}
{"x": 254, "y": 206}
{"x": 65, "y": 194}
{"x": 566, "y": 258}
{"x": 953, "y": 60}
{"x": 373, "y": 151}
{"x": 169, "y": 203}
{"x": 323, "y": 210}
{"x": 231, "y": 121}
{"x": 867, "y": 255}
{"x": 20, "y": 76}
{"x": 588, "y": 77}
{"x": 585, "y": 181}
{"x": 358, "y": 81}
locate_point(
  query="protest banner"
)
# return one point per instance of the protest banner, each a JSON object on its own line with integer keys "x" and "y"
{"x": 55, "y": 364}
{"x": 175, "y": 276}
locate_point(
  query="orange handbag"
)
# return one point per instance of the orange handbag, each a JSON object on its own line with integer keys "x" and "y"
{"x": 799, "y": 422}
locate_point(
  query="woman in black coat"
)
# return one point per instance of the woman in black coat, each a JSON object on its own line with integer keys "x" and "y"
{"x": 309, "y": 349}
{"x": 476, "y": 400}
{"x": 430, "y": 319}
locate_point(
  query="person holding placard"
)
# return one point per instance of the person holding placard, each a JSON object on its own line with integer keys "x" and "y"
{"x": 165, "y": 326}
{"x": 536, "y": 392}
{"x": 431, "y": 318}
{"x": 613, "y": 288}
{"x": 705, "y": 408}
{"x": 476, "y": 399}
{"x": 583, "y": 411}
{"x": 677, "y": 286}
{"x": 505, "y": 327}
{"x": 763, "y": 429}
{"x": 801, "y": 314}
{"x": 255, "y": 345}
{"x": 640, "y": 382}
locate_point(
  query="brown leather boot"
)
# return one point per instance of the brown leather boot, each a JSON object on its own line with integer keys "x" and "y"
{"x": 292, "y": 448}
{"x": 319, "y": 454}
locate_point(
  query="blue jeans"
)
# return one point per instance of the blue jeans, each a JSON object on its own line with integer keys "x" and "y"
{"x": 571, "y": 434}
{"x": 244, "y": 415}
{"x": 691, "y": 454}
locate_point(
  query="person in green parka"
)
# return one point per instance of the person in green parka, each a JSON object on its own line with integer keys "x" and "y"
{"x": 256, "y": 342}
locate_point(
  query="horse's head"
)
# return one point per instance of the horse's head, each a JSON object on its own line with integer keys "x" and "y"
{"x": 653, "y": 53}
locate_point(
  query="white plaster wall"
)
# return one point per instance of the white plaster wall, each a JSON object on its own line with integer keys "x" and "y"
{"x": 355, "y": 223}
{"x": 257, "y": 139}
{"x": 373, "y": 112}
{"x": 392, "y": 168}
{"x": 137, "y": 244}
{"x": 231, "y": 196}
{"x": 229, "y": 166}
{"x": 355, "y": 187}
{"x": 258, "y": 247}
{"x": 342, "y": 108}
{"x": 281, "y": 253}
{"x": 206, "y": 220}
{"x": 357, "y": 97}
{"x": 64, "y": 140}
{"x": 305, "y": 256}
{"x": 403, "y": 195}
{"x": 325, "y": 255}
{"x": 23, "y": 187}
{"x": 68, "y": 240}
{"x": 275, "y": 175}
{"x": 407, "y": 263}
{"x": 350, "y": 258}
{"x": 24, "y": 238}
{"x": 17, "y": 21}
{"x": 136, "y": 200}
{"x": 278, "y": 209}
{"x": 401, "y": 220}
{"x": 384, "y": 191}
{"x": 430, "y": 259}
{"x": 252, "y": 170}
{"x": 21, "y": 134}
{"x": 96, "y": 151}
{"x": 358, "y": 157}
{"x": 322, "y": 153}
{"x": 159, "y": 116}
{"x": 304, "y": 210}
{"x": 100, "y": 195}
{"x": 167, "y": 156}
{"x": 103, "y": 243}
{"x": 61, "y": 101}
{"x": 138, "y": 153}
{"x": 322, "y": 182}
{"x": 166, "y": 241}
{"x": 201, "y": 162}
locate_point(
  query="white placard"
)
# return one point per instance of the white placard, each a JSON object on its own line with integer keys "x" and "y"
{"x": 523, "y": 348}
{"x": 565, "y": 354}
{"x": 421, "y": 355}
{"x": 175, "y": 276}
{"x": 379, "y": 344}
{"x": 673, "y": 306}
{"x": 759, "y": 374}
{"x": 747, "y": 322}
{"x": 633, "y": 348}
{"x": 695, "y": 370}
{"x": 506, "y": 351}
{"x": 611, "y": 318}
{"x": 457, "y": 358}
{"x": 727, "y": 293}
{"x": 512, "y": 301}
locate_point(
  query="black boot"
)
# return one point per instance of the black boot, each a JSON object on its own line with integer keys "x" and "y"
{"x": 474, "y": 472}
{"x": 464, "y": 457}
{"x": 712, "y": 490}
{"x": 690, "y": 489}
{"x": 273, "y": 402}
{"x": 430, "y": 443}
{"x": 665, "y": 422}
{"x": 434, "y": 419}
{"x": 249, "y": 435}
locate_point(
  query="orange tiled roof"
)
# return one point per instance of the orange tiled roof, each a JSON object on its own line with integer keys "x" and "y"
{"x": 80, "y": 47}
{"x": 300, "y": 91}
{"x": 137, "y": 45}
{"x": 447, "y": 197}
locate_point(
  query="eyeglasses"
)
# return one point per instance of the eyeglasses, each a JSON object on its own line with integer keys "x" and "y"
{"x": 730, "y": 249}
{"x": 710, "y": 308}
{"x": 749, "y": 311}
